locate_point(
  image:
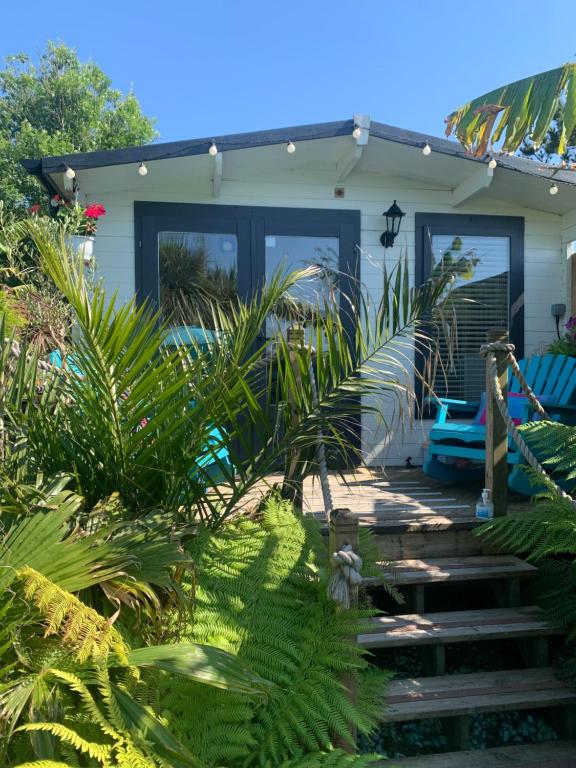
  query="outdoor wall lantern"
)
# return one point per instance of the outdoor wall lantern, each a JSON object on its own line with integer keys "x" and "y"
{"x": 394, "y": 218}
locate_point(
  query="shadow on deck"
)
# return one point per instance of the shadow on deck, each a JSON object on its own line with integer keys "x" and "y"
{"x": 400, "y": 500}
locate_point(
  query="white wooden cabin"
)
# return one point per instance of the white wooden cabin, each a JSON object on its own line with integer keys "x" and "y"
{"x": 255, "y": 205}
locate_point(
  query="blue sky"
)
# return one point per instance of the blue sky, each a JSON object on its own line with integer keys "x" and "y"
{"x": 224, "y": 66}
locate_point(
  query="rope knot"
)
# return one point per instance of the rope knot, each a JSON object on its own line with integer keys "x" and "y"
{"x": 497, "y": 346}
{"x": 346, "y": 575}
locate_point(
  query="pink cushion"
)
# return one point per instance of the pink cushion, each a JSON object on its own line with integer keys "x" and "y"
{"x": 516, "y": 404}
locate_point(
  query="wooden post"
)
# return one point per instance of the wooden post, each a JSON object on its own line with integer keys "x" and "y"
{"x": 496, "y": 430}
{"x": 344, "y": 530}
{"x": 293, "y": 483}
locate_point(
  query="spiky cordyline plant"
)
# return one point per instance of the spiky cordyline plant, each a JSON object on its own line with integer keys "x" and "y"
{"x": 91, "y": 427}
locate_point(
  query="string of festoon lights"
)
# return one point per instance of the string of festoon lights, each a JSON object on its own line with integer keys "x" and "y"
{"x": 213, "y": 151}
{"x": 493, "y": 163}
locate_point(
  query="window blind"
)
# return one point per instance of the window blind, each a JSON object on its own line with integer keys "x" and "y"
{"x": 478, "y": 300}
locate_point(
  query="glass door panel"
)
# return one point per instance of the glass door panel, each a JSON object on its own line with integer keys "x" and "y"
{"x": 196, "y": 270}
{"x": 287, "y": 253}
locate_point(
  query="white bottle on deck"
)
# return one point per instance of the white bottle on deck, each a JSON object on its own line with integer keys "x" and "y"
{"x": 484, "y": 506}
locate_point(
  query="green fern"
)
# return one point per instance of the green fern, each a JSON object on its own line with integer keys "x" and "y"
{"x": 554, "y": 445}
{"x": 43, "y": 764}
{"x": 261, "y": 593}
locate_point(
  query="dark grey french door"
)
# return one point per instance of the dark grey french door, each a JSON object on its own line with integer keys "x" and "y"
{"x": 188, "y": 255}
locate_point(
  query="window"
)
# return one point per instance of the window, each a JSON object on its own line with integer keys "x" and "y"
{"x": 288, "y": 253}
{"x": 196, "y": 269}
{"x": 484, "y": 256}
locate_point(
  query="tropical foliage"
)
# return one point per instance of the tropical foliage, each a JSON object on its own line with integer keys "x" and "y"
{"x": 526, "y": 109}
{"x": 160, "y": 605}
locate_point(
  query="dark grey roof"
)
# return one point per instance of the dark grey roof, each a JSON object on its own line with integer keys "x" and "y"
{"x": 173, "y": 149}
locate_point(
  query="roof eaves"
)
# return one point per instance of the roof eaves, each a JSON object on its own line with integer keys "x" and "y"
{"x": 42, "y": 168}
{"x": 175, "y": 149}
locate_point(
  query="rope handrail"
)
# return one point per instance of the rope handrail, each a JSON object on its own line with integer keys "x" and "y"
{"x": 487, "y": 351}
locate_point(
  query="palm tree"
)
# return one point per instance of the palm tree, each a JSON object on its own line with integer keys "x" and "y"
{"x": 527, "y": 108}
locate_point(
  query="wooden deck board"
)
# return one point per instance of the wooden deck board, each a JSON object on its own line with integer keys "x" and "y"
{"x": 470, "y": 694}
{"x": 394, "y": 502}
{"x": 471, "y": 568}
{"x": 454, "y": 627}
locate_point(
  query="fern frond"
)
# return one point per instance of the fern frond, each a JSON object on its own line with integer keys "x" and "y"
{"x": 131, "y": 757}
{"x": 43, "y": 764}
{"x": 554, "y": 444}
{"x": 80, "y": 626}
{"x": 89, "y": 633}
{"x": 90, "y": 706}
{"x": 100, "y": 752}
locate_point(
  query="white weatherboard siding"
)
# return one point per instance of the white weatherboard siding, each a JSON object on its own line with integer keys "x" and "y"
{"x": 545, "y": 275}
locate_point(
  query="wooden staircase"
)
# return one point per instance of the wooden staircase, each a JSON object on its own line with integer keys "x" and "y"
{"x": 429, "y": 558}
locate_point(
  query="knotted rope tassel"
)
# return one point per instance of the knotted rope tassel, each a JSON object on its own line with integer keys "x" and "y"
{"x": 346, "y": 576}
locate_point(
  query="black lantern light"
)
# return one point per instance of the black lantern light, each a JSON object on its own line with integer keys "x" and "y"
{"x": 393, "y": 220}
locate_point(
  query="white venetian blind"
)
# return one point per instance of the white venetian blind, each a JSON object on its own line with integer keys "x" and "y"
{"x": 478, "y": 301}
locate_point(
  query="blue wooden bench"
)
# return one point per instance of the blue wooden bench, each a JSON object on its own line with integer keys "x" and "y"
{"x": 457, "y": 451}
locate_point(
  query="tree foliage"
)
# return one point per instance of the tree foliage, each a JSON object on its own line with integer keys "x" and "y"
{"x": 56, "y": 106}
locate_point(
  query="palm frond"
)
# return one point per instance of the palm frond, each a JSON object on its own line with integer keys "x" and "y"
{"x": 526, "y": 107}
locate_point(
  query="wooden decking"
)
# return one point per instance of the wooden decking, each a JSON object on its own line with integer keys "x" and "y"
{"x": 399, "y": 500}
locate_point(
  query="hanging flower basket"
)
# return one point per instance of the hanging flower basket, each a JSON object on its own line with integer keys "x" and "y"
{"x": 80, "y": 224}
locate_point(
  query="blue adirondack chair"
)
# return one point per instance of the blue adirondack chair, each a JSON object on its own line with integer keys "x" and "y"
{"x": 457, "y": 451}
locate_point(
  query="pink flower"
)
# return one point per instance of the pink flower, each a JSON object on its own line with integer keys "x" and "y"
{"x": 95, "y": 211}
{"x": 34, "y": 209}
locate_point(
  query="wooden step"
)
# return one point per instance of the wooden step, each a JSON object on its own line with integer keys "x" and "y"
{"x": 407, "y": 521}
{"x": 454, "y": 627}
{"x": 552, "y": 754}
{"x": 413, "y": 545}
{"x": 471, "y": 694}
{"x": 443, "y": 569}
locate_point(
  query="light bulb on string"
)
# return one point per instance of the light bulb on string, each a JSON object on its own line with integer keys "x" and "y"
{"x": 290, "y": 147}
{"x": 213, "y": 149}
{"x": 70, "y": 173}
{"x": 553, "y": 189}
{"x": 357, "y": 132}
{"x": 426, "y": 149}
{"x": 142, "y": 169}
